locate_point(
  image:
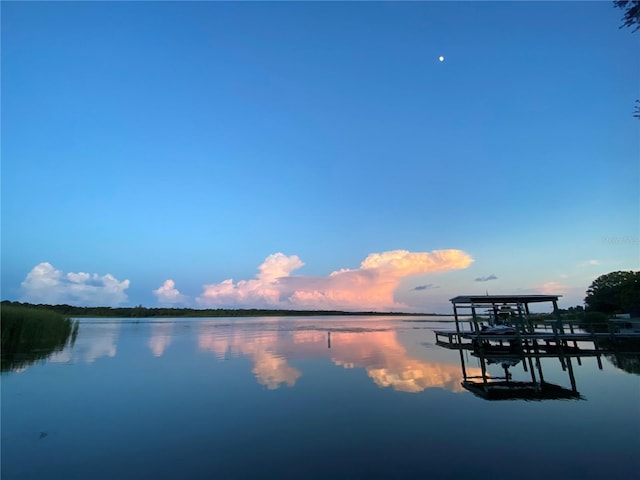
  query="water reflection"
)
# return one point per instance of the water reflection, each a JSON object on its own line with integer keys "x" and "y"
{"x": 498, "y": 362}
{"x": 504, "y": 387}
{"x": 388, "y": 364}
{"x": 377, "y": 350}
{"x": 29, "y": 340}
{"x": 94, "y": 341}
{"x": 161, "y": 337}
{"x": 270, "y": 368}
{"x": 623, "y": 354}
{"x": 293, "y": 398}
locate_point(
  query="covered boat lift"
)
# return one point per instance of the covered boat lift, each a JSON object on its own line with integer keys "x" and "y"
{"x": 502, "y": 330}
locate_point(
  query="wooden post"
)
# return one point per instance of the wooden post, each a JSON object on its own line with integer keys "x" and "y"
{"x": 572, "y": 378}
{"x": 539, "y": 366}
{"x": 595, "y": 346}
{"x": 483, "y": 367}
{"x": 464, "y": 370}
{"x": 560, "y": 347}
{"x": 556, "y": 313}
{"x": 476, "y": 329}
{"x": 455, "y": 314}
{"x": 520, "y": 345}
{"x": 536, "y": 352}
{"x": 533, "y": 374}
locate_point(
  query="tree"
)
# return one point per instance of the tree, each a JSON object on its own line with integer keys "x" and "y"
{"x": 615, "y": 292}
{"x": 631, "y": 17}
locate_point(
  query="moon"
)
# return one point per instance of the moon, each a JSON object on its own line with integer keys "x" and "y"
{"x": 441, "y": 58}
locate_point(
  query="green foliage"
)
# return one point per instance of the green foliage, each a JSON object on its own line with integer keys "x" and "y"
{"x": 596, "y": 317}
{"x": 32, "y": 334}
{"x": 631, "y": 17}
{"x": 615, "y": 292}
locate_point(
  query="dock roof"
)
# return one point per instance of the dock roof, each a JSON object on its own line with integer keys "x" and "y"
{"x": 493, "y": 299}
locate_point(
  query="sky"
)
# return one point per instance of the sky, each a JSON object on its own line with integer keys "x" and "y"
{"x": 314, "y": 155}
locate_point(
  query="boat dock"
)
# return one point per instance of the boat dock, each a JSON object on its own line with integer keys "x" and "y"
{"x": 505, "y": 320}
{"x": 501, "y": 331}
{"x": 468, "y": 339}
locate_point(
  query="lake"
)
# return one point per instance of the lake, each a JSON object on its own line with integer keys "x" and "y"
{"x": 304, "y": 397}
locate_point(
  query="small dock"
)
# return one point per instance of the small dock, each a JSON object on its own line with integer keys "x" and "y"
{"x": 499, "y": 329}
{"x": 505, "y": 320}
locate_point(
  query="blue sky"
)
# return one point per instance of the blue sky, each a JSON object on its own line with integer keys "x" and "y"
{"x": 261, "y": 154}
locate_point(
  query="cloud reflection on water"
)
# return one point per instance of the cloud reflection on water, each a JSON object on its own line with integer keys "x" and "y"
{"x": 379, "y": 351}
{"x": 272, "y": 345}
{"x": 270, "y": 369}
{"x": 93, "y": 342}
{"x": 388, "y": 363}
{"x": 161, "y": 337}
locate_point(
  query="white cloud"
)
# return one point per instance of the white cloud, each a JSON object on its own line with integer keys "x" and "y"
{"x": 371, "y": 286}
{"x": 45, "y": 284}
{"x": 168, "y": 293}
{"x": 278, "y": 265}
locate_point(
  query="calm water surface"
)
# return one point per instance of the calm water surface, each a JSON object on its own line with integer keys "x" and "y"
{"x": 321, "y": 397}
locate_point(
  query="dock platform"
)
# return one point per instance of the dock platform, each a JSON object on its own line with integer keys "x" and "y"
{"x": 465, "y": 339}
{"x": 502, "y": 333}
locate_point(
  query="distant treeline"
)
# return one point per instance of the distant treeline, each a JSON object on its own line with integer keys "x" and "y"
{"x": 141, "y": 312}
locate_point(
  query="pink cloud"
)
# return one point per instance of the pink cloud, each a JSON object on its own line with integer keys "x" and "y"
{"x": 370, "y": 287}
{"x": 551, "y": 288}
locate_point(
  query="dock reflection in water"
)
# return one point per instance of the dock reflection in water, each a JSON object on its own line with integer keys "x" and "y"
{"x": 535, "y": 387}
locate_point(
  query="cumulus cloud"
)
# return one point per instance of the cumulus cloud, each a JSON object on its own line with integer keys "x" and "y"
{"x": 371, "y": 286}
{"x": 486, "y": 279}
{"x": 168, "y": 293}
{"x": 46, "y": 284}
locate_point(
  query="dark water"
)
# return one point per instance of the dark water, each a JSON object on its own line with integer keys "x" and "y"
{"x": 302, "y": 398}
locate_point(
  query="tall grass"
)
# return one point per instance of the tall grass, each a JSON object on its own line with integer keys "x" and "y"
{"x": 30, "y": 334}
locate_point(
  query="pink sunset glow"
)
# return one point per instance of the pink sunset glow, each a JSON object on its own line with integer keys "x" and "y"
{"x": 371, "y": 286}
